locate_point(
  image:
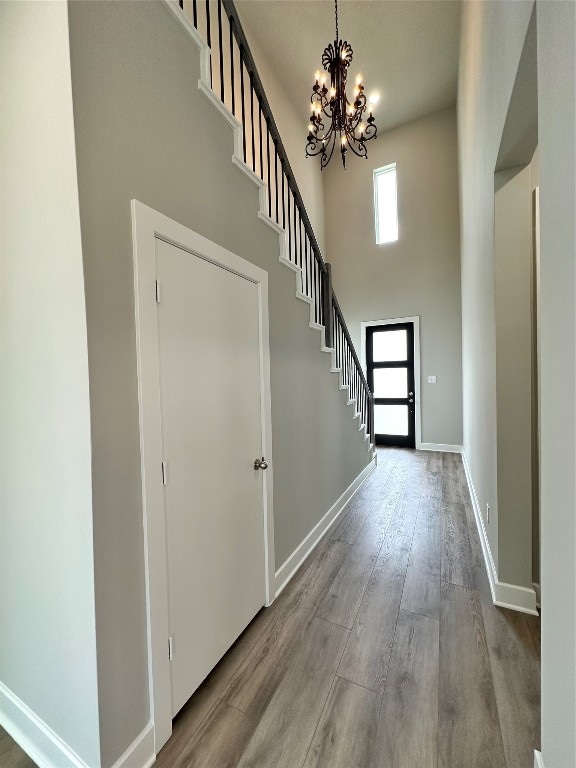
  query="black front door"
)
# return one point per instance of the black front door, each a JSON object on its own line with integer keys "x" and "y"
{"x": 390, "y": 369}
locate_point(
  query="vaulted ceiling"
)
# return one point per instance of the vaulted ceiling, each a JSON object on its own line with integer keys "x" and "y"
{"x": 406, "y": 50}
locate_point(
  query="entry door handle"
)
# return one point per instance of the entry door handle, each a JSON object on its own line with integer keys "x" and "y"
{"x": 260, "y": 463}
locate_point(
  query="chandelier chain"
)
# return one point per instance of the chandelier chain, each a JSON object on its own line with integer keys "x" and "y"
{"x": 336, "y": 13}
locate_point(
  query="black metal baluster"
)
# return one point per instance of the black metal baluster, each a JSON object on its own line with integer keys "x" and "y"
{"x": 195, "y": 13}
{"x": 289, "y": 226}
{"x": 276, "y": 180}
{"x": 252, "y": 121}
{"x": 220, "y": 51}
{"x": 209, "y": 36}
{"x": 243, "y": 105}
{"x": 233, "y": 86}
{"x": 260, "y": 125}
{"x": 283, "y": 196}
{"x": 268, "y": 167}
{"x": 300, "y": 248}
{"x": 307, "y": 263}
{"x": 295, "y": 246}
{"x": 181, "y": 4}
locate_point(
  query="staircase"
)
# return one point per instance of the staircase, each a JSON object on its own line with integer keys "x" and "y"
{"x": 230, "y": 81}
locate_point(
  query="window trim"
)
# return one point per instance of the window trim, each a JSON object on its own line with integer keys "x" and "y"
{"x": 375, "y": 175}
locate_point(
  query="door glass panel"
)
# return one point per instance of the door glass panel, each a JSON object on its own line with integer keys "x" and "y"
{"x": 389, "y": 345}
{"x": 390, "y": 382}
{"x": 391, "y": 419}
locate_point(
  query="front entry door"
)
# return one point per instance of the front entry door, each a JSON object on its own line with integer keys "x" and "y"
{"x": 210, "y": 380}
{"x": 390, "y": 373}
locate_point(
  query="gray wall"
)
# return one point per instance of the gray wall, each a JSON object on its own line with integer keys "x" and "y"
{"x": 514, "y": 370}
{"x": 144, "y": 131}
{"x": 557, "y": 150}
{"x": 493, "y": 35}
{"x": 48, "y": 641}
{"x": 419, "y": 274}
{"x": 492, "y": 39}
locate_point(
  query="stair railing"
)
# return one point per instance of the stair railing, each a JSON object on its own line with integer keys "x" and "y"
{"x": 235, "y": 80}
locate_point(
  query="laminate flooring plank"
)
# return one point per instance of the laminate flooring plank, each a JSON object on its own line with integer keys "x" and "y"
{"x": 516, "y": 674}
{"x": 353, "y": 519}
{"x": 365, "y": 660}
{"x": 434, "y": 462}
{"x": 422, "y": 584}
{"x": 421, "y": 591}
{"x": 286, "y": 728}
{"x": 218, "y": 743}
{"x": 345, "y": 734}
{"x": 468, "y": 730}
{"x": 455, "y": 489}
{"x": 256, "y": 681}
{"x": 342, "y": 600}
{"x": 408, "y": 725}
{"x": 457, "y": 562}
{"x": 11, "y": 754}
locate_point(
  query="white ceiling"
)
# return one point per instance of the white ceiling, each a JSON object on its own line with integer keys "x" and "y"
{"x": 406, "y": 50}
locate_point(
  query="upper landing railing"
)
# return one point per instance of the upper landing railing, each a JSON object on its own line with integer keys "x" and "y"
{"x": 235, "y": 80}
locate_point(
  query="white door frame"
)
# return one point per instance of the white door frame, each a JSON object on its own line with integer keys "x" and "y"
{"x": 416, "y": 320}
{"x": 147, "y": 226}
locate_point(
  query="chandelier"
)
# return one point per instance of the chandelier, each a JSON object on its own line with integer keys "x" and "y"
{"x": 334, "y": 119}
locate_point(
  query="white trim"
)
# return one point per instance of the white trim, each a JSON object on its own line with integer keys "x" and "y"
{"x": 442, "y": 447}
{"x": 147, "y": 226}
{"x": 291, "y": 565}
{"x": 140, "y": 754}
{"x": 33, "y": 735}
{"x": 538, "y": 760}
{"x": 394, "y": 321}
{"x": 538, "y": 594}
{"x": 504, "y": 595}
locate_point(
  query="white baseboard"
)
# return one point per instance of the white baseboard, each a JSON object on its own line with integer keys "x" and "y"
{"x": 443, "y": 447}
{"x": 291, "y": 565}
{"x": 34, "y": 736}
{"x": 504, "y": 595}
{"x": 538, "y": 762}
{"x": 140, "y": 754}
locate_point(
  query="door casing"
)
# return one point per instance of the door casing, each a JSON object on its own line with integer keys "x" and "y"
{"x": 396, "y": 321}
{"x": 147, "y": 226}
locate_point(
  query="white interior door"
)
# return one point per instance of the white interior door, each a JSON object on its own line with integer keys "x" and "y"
{"x": 210, "y": 381}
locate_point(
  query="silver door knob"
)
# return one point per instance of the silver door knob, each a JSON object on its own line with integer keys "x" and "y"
{"x": 260, "y": 463}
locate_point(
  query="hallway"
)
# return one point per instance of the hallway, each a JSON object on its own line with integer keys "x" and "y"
{"x": 384, "y": 651}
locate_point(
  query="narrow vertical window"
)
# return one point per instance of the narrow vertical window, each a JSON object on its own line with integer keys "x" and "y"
{"x": 386, "y": 204}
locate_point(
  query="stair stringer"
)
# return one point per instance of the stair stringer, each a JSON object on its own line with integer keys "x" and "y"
{"x": 238, "y": 161}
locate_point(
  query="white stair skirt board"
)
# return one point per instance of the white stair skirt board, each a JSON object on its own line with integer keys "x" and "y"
{"x": 538, "y": 762}
{"x": 31, "y": 733}
{"x": 291, "y": 565}
{"x": 504, "y": 595}
{"x": 238, "y": 161}
{"x": 442, "y": 447}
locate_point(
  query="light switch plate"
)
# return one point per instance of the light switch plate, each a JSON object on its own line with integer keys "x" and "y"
{"x": 431, "y": 379}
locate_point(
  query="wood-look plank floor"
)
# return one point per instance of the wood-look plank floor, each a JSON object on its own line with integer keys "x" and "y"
{"x": 384, "y": 651}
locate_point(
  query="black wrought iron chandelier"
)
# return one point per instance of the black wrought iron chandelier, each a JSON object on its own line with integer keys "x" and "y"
{"x": 344, "y": 119}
